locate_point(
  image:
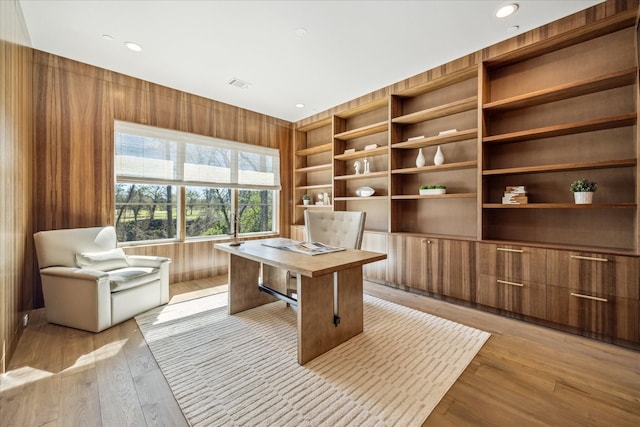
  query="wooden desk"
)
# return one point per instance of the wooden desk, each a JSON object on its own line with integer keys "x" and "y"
{"x": 318, "y": 275}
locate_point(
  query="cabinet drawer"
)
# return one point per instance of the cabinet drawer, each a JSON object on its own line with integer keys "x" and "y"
{"x": 594, "y": 312}
{"x": 522, "y": 297}
{"x": 513, "y": 262}
{"x": 594, "y": 273}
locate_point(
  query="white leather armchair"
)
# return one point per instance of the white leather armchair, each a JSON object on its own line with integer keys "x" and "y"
{"x": 89, "y": 283}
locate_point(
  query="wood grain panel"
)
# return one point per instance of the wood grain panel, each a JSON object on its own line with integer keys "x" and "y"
{"x": 513, "y": 262}
{"x": 75, "y": 109}
{"x": 376, "y": 242}
{"x": 406, "y": 262}
{"x": 453, "y": 268}
{"x": 16, "y": 168}
{"x": 202, "y": 260}
{"x": 522, "y": 297}
{"x": 610, "y": 316}
{"x": 594, "y": 273}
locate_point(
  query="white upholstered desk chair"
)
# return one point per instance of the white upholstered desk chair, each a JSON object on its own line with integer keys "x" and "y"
{"x": 339, "y": 228}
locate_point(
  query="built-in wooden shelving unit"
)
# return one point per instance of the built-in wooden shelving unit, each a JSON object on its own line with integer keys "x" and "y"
{"x": 540, "y": 115}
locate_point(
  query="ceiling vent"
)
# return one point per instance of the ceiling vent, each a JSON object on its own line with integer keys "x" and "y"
{"x": 239, "y": 83}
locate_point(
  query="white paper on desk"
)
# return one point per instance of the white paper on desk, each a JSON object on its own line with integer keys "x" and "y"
{"x": 312, "y": 248}
{"x": 280, "y": 242}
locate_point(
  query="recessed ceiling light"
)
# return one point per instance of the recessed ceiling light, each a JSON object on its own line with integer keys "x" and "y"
{"x": 133, "y": 46}
{"x": 506, "y": 10}
{"x": 513, "y": 28}
{"x": 300, "y": 105}
{"x": 107, "y": 37}
{"x": 300, "y": 31}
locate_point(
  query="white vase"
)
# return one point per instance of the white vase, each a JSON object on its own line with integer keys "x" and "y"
{"x": 420, "y": 159}
{"x": 583, "y": 197}
{"x": 438, "y": 159}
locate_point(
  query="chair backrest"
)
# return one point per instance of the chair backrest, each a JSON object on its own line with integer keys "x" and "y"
{"x": 340, "y": 228}
{"x": 59, "y": 247}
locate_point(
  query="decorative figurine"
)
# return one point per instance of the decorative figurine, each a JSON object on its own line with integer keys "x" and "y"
{"x": 366, "y": 165}
{"x": 356, "y": 166}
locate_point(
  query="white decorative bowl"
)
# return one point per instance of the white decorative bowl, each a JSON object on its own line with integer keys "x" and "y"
{"x": 365, "y": 192}
{"x": 432, "y": 191}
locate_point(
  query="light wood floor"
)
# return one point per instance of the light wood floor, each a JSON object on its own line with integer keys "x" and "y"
{"x": 524, "y": 375}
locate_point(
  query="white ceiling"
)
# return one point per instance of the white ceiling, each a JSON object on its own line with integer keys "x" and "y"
{"x": 350, "y": 48}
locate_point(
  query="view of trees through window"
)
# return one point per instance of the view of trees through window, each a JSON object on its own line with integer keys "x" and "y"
{"x": 150, "y": 212}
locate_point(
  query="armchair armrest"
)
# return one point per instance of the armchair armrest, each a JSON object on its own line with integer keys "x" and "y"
{"x": 77, "y": 297}
{"x": 146, "y": 260}
{"x": 74, "y": 273}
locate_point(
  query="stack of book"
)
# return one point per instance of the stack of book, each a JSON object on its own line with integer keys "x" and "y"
{"x": 515, "y": 195}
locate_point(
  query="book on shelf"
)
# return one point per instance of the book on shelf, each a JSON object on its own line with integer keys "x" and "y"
{"x": 515, "y": 195}
{"x": 307, "y": 248}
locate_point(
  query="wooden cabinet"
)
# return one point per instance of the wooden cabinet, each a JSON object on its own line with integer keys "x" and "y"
{"x": 535, "y": 114}
{"x": 594, "y": 292}
{"x": 440, "y": 266}
{"x": 376, "y": 242}
{"x": 512, "y": 278}
{"x": 454, "y": 268}
{"x": 594, "y": 273}
{"x": 441, "y": 113}
{"x": 598, "y": 313}
{"x": 515, "y": 295}
{"x": 512, "y": 262}
{"x": 408, "y": 261}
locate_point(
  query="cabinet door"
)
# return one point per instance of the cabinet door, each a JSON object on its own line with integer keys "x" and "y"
{"x": 593, "y": 273}
{"x": 510, "y": 262}
{"x": 608, "y": 315}
{"x": 522, "y": 297}
{"x": 376, "y": 242}
{"x": 452, "y": 268}
{"x": 407, "y": 261}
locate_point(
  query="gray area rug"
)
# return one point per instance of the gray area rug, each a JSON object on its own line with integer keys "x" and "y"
{"x": 242, "y": 370}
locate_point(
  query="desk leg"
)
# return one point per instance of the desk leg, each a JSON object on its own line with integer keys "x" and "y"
{"x": 317, "y": 333}
{"x": 243, "y": 285}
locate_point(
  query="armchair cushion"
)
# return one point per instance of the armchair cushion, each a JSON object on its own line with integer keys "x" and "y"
{"x": 130, "y": 277}
{"x": 104, "y": 261}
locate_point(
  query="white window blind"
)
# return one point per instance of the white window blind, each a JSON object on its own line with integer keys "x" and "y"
{"x": 147, "y": 154}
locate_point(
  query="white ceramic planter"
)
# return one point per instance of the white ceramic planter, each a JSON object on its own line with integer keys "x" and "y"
{"x": 305, "y": 201}
{"x": 583, "y": 197}
{"x": 432, "y": 191}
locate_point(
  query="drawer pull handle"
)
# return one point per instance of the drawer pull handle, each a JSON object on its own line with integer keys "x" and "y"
{"x": 573, "y": 294}
{"x": 504, "y": 282}
{"x": 589, "y": 258}
{"x": 510, "y": 250}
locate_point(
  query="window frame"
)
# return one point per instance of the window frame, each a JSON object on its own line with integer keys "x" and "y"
{"x": 181, "y": 187}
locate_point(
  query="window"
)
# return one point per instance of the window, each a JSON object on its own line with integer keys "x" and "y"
{"x": 175, "y": 185}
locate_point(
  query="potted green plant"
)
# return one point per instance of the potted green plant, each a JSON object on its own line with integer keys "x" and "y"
{"x": 428, "y": 190}
{"x": 583, "y": 191}
{"x": 306, "y": 199}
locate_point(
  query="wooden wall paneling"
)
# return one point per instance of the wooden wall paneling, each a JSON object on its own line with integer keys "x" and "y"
{"x": 75, "y": 111}
{"x": 16, "y": 168}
